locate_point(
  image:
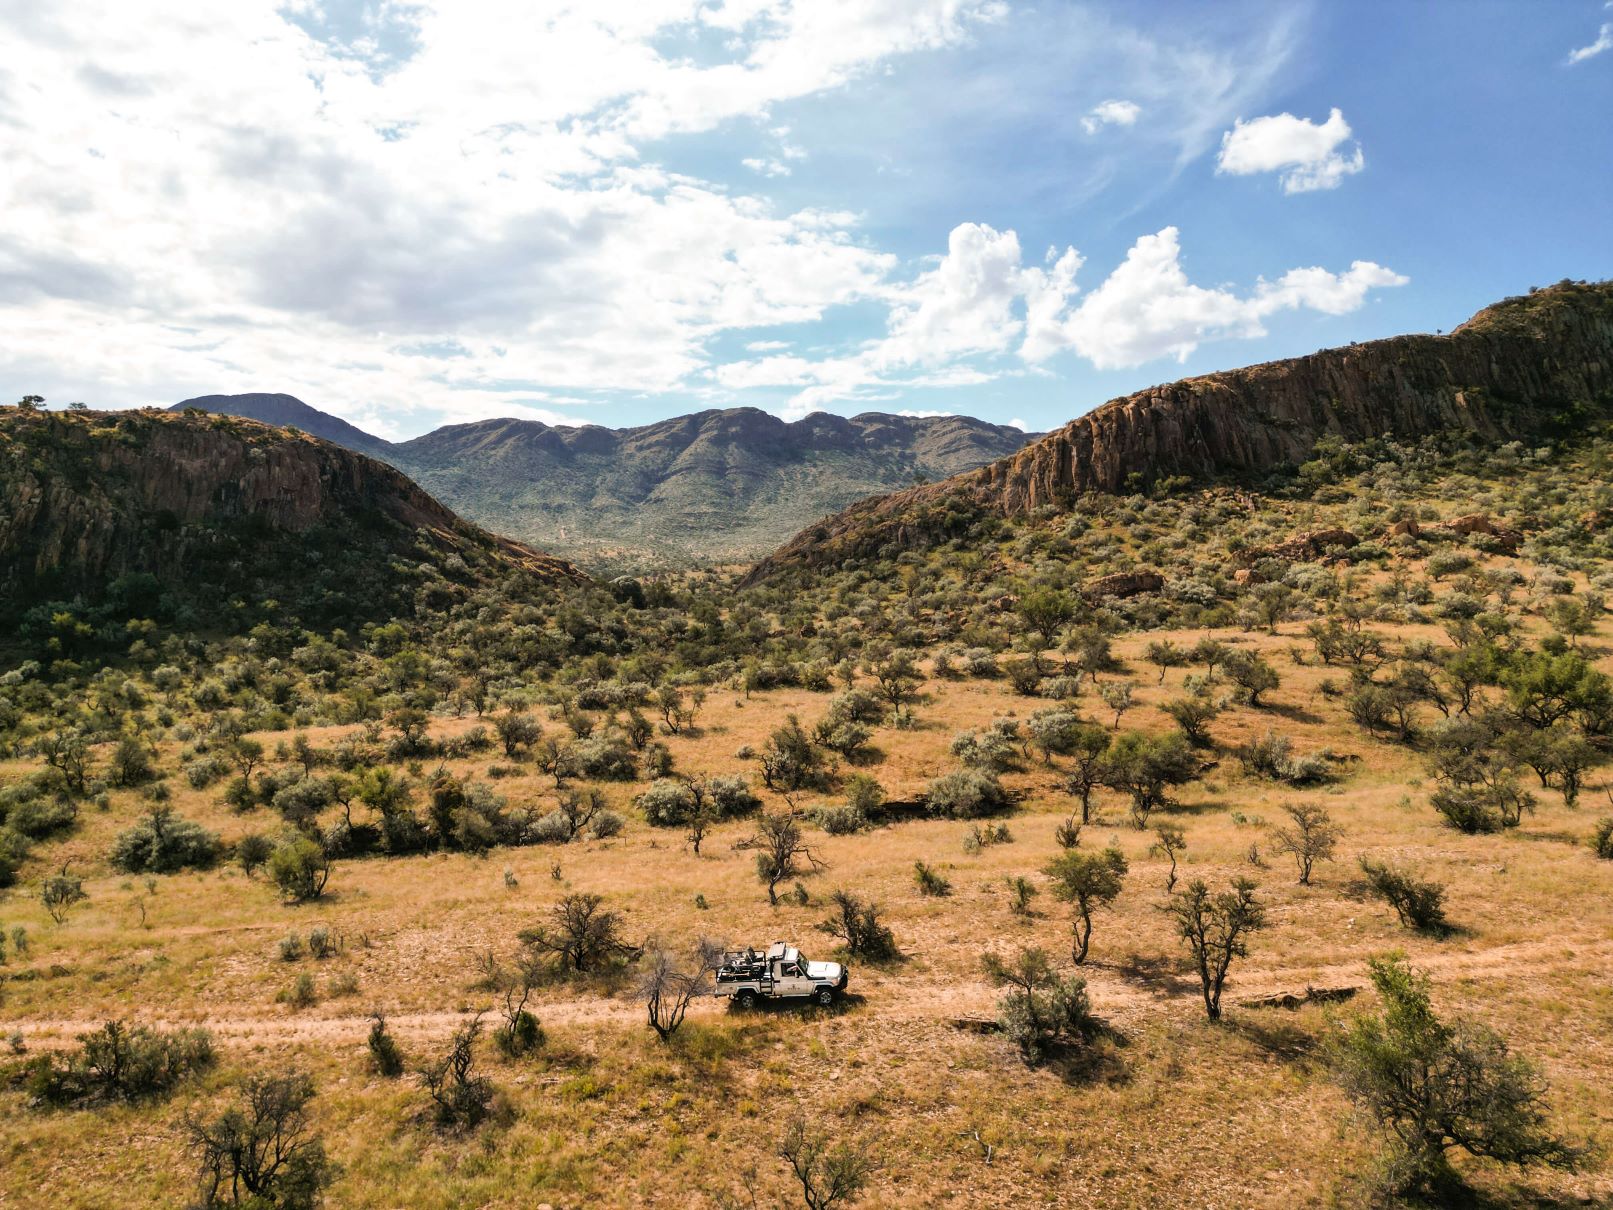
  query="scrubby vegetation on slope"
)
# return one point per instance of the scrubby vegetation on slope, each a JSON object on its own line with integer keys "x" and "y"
{"x": 1116, "y": 809}
{"x": 208, "y": 523}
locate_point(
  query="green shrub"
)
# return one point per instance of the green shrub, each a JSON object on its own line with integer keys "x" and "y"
{"x": 1420, "y": 904}
{"x": 120, "y": 1063}
{"x": 864, "y": 794}
{"x": 840, "y": 821}
{"x": 1467, "y": 809}
{"x": 966, "y": 794}
{"x": 1272, "y": 756}
{"x": 385, "y": 1054}
{"x": 301, "y": 994}
{"x": 1040, "y": 1012}
{"x": 262, "y": 1154}
{"x": 300, "y": 869}
{"x": 252, "y": 851}
{"x": 667, "y": 803}
{"x": 13, "y": 851}
{"x": 731, "y": 796}
{"x": 203, "y": 771}
{"x": 605, "y": 758}
{"x": 994, "y": 749}
{"x": 131, "y": 762}
{"x": 1437, "y": 1087}
{"x": 461, "y": 1098}
{"x": 60, "y": 893}
{"x": 856, "y": 923}
{"x": 163, "y": 842}
{"x": 1602, "y": 839}
{"x": 929, "y": 882}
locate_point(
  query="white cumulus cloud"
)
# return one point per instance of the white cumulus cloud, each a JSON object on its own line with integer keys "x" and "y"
{"x": 1148, "y": 308}
{"x": 1308, "y": 155}
{"x": 981, "y": 313}
{"x": 1110, "y": 113}
{"x": 248, "y": 199}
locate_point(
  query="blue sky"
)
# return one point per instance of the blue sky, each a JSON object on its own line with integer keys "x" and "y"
{"x": 417, "y": 213}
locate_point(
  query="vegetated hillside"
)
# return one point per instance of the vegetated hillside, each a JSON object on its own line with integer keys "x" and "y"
{"x": 1531, "y": 364}
{"x": 287, "y": 411}
{"x": 338, "y": 854}
{"x": 708, "y": 488}
{"x": 713, "y": 487}
{"x": 154, "y": 510}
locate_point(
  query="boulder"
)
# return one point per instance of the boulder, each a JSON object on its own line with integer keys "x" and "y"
{"x": 1123, "y": 584}
{"x": 1301, "y": 547}
{"x": 1482, "y": 523}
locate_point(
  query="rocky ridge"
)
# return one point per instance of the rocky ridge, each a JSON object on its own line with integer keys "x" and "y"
{"x": 1529, "y": 364}
{"x": 87, "y": 497}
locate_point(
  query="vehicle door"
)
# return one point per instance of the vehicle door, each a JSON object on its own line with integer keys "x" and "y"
{"x": 790, "y": 978}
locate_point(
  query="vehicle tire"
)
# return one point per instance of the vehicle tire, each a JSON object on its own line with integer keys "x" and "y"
{"x": 824, "y": 996}
{"x": 745, "y": 1000}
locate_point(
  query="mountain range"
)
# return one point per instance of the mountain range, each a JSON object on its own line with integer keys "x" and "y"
{"x": 221, "y": 508}
{"x": 713, "y": 487}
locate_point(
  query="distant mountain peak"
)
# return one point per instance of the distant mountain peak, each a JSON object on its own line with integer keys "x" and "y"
{"x": 723, "y": 485}
{"x": 288, "y": 411}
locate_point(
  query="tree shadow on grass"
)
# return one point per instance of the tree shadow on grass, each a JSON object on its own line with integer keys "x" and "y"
{"x": 1294, "y": 714}
{"x": 1161, "y": 974}
{"x": 1206, "y": 806}
{"x": 1572, "y": 839}
{"x": 1095, "y": 1060}
{"x": 1521, "y": 1198}
{"x": 1278, "y": 1034}
{"x": 1459, "y": 1195}
{"x": 1358, "y": 890}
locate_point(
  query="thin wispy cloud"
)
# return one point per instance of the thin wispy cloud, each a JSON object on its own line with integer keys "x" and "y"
{"x": 1604, "y": 42}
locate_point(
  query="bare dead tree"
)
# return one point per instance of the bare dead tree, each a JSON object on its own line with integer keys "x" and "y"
{"x": 1311, "y": 837}
{"x": 829, "y": 1173}
{"x": 668, "y": 984}
{"x": 779, "y": 845}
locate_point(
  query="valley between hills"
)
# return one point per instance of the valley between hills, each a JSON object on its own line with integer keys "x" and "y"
{"x": 710, "y": 489}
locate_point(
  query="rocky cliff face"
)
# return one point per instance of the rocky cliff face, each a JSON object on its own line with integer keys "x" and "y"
{"x": 88, "y": 497}
{"x": 1524, "y": 365}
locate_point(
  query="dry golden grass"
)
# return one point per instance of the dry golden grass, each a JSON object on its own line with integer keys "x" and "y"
{"x": 1239, "y": 1115}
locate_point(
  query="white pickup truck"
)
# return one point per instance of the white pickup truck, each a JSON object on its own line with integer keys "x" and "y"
{"x": 780, "y": 972}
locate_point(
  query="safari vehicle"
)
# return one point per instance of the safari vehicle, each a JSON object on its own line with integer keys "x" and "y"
{"x": 781, "y": 972}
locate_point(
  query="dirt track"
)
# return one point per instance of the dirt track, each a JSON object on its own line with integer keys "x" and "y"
{"x": 1122, "y": 997}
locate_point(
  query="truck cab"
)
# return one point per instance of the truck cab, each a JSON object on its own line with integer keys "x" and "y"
{"x": 778, "y": 972}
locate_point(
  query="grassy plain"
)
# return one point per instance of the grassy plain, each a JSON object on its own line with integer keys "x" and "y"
{"x": 1183, "y": 1112}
